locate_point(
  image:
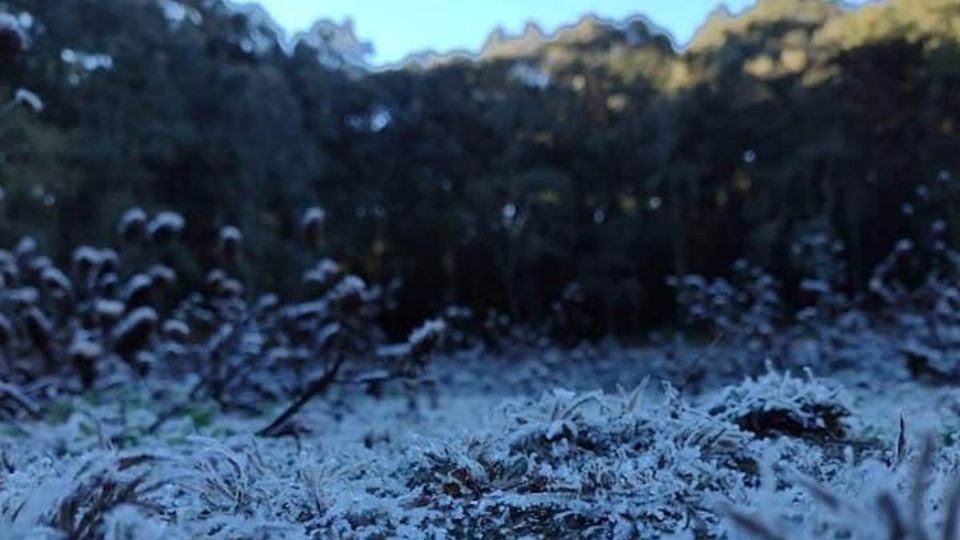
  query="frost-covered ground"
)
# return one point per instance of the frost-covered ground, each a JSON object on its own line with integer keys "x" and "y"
{"x": 590, "y": 443}
{"x": 132, "y": 412}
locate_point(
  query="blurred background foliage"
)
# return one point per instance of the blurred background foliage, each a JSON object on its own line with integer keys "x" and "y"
{"x": 587, "y": 165}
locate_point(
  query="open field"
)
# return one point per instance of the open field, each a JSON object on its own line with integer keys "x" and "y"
{"x": 499, "y": 450}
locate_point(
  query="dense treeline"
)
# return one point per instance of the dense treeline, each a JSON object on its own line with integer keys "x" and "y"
{"x": 581, "y": 168}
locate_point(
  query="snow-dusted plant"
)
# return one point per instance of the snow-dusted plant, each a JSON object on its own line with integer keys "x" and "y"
{"x": 776, "y": 404}
{"x": 312, "y": 225}
{"x": 866, "y": 500}
{"x": 229, "y": 244}
{"x": 23, "y": 98}
{"x": 133, "y": 224}
{"x": 105, "y": 322}
{"x": 743, "y": 312}
{"x": 165, "y": 227}
{"x": 592, "y": 465}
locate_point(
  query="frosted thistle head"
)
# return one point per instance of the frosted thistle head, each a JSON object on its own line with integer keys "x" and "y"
{"x": 165, "y": 227}
{"x": 229, "y": 244}
{"x": 176, "y": 330}
{"x": 311, "y": 225}
{"x": 162, "y": 276}
{"x": 84, "y": 260}
{"x": 133, "y": 224}
{"x": 132, "y": 334}
{"x": 56, "y": 283}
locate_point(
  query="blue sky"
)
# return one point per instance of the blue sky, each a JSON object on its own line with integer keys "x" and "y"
{"x": 399, "y": 27}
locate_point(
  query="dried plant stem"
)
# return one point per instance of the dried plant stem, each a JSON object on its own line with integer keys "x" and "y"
{"x": 314, "y": 389}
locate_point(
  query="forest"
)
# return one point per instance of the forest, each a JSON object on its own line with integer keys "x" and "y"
{"x": 570, "y": 172}
{"x": 585, "y": 283}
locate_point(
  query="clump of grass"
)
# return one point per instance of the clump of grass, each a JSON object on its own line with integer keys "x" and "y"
{"x": 77, "y": 506}
{"x": 777, "y": 404}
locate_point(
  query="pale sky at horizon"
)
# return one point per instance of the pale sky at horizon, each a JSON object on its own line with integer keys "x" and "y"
{"x": 397, "y": 28}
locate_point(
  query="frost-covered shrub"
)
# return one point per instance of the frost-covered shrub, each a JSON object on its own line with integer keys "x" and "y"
{"x": 827, "y": 319}
{"x": 925, "y": 317}
{"x": 105, "y": 321}
{"x": 65, "y": 325}
{"x": 745, "y": 309}
{"x": 741, "y": 314}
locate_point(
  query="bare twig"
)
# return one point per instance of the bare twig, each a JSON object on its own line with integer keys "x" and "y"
{"x": 314, "y": 389}
{"x": 691, "y": 368}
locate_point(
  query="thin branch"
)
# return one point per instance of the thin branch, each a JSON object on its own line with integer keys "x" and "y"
{"x": 314, "y": 389}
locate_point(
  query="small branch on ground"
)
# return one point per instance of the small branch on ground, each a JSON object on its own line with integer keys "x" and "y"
{"x": 314, "y": 389}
